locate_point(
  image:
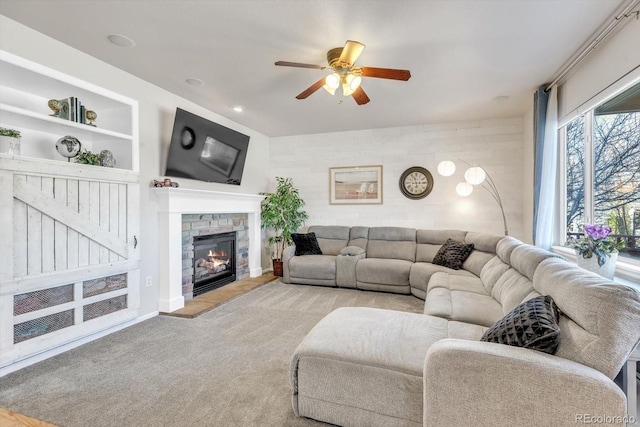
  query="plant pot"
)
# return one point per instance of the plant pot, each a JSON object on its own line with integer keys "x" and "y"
{"x": 9, "y": 145}
{"x": 277, "y": 267}
{"x": 607, "y": 270}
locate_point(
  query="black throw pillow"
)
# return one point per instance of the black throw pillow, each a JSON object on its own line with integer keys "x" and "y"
{"x": 306, "y": 244}
{"x": 453, "y": 254}
{"x": 533, "y": 324}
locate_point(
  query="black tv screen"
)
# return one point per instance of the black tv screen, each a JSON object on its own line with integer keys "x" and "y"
{"x": 207, "y": 151}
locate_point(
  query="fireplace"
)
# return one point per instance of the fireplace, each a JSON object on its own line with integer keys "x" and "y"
{"x": 214, "y": 261}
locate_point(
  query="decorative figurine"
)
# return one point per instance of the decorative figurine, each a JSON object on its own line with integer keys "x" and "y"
{"x": 165, "y": 183}
{"x": 60, "y": 108}
{"x": 107, "y": 159}
{"x": 91, "y": 116}
{"x": 68, "y": 146}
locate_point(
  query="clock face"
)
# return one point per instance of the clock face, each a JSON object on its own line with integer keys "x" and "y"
{"x": 416, "y": 182}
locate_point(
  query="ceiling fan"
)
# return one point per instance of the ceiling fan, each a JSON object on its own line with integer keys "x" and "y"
{"x": 345, "y": 74}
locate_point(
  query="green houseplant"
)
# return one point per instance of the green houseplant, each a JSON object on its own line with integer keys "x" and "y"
{"x": 88, "y": 158}
{"x": 282, "y": 215}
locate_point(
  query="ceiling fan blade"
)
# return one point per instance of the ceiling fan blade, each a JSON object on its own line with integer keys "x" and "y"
{"x": 314, "y": 87}
{"x": 299, "y": 65}
{"x": 386, "y": 73}
{"x": 360, "y": 97}
{"x": 351, "y": 52}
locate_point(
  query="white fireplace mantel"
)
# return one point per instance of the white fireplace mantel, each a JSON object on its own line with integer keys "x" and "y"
{"x": 173, "y": 203}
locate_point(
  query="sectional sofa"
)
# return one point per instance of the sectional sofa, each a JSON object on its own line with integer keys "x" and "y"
{"x": 372, "y": 367}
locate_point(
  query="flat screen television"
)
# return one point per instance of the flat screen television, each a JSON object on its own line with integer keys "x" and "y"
{"x": 207, "y": 151}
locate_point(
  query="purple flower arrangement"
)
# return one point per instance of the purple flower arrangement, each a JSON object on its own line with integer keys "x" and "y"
{"x": 594, "y": 242}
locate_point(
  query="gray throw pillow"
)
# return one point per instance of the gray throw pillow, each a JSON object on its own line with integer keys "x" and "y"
{"x": 533, "y": 324}
{"x": 453, "y": 254}
{"x": 306, "y": 244}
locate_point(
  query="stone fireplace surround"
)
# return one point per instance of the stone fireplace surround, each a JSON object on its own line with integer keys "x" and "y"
{"x": 176, "y": 202}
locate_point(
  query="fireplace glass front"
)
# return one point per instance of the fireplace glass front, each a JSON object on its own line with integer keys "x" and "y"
{"x": 214, "y": 263}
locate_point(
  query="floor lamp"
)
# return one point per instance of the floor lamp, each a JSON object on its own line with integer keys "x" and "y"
{"x": 475, "y": 175}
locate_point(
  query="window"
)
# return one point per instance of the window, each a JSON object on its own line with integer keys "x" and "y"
{"x": 602, "y": 170}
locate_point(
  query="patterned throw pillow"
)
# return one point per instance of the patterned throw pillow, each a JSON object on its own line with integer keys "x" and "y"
{"x": 453, "y": 254}
{"x": 306, "y": 244}
{"x": 533, "y": 324}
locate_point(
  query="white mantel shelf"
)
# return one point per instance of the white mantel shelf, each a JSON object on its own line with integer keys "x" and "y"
{"x": 175, "y": 202}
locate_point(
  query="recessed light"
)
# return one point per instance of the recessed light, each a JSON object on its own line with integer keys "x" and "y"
{"x": 238, "y": 108}
{"x": 194, "y": 82}
{"x": 120, "y": 40}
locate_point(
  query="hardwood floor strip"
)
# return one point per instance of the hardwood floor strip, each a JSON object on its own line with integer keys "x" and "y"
{"x": 14, "y": 419}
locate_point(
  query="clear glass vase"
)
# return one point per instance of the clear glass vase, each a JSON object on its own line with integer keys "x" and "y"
{"x": 9, "y": 145}
{"x": 607, "y": 270}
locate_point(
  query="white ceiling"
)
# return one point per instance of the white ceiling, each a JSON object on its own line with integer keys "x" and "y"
{"x": 463, "y": 54}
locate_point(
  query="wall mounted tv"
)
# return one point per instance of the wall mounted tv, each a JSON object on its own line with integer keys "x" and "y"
{"x": 203, "y": 150}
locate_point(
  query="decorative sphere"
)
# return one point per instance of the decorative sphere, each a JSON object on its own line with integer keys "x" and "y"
{"x": 464, "y": 189}
{"x": 91, "y": 115}
{"x": 475, "y": 175}
{"x": 446, "y": 168}
{"x": 68, "y": 146}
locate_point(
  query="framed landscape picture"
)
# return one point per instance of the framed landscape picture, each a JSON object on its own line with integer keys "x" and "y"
{"x": 355, "y": 185}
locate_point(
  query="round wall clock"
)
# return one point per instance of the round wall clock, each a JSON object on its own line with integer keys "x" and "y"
{"x": 416, "y": 183}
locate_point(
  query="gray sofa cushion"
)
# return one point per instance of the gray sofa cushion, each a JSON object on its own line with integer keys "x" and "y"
{"x": 363, "y": 366}
{"x": 430, "y": 241}
{"x": 463, "y": 306}
{"x": 421, "y": 273}
{"x": 313, "y": 267}
{"x": 392, "y": 243}
{"x": 358, "y": 236}
{"x": 331, "y": 238}
{"x": 392, "y": 272}
{"x": 599, "y": 321}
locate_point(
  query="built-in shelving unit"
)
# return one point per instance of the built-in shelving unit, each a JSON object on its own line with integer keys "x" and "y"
{"x": 26, "y": 88}
{"x": 69, "y": 255}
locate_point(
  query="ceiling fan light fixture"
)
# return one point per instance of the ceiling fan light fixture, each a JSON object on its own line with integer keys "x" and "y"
{"x": 350, "y": 84}
{"x": 331, "y": 83}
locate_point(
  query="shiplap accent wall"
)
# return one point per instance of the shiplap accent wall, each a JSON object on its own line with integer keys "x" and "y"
{"x": 497, "y": 145}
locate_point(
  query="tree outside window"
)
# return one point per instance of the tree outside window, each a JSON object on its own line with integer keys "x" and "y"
{"x": 606, "y": 190}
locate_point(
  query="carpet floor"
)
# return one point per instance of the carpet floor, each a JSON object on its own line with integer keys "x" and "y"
{"x": 227, "y": 367}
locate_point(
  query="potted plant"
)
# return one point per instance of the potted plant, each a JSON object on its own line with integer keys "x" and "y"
{"x": 88, "y": 158}
{"x": 594, "y": 251}
{"x": 282, "y": 215}
{"x": 9, "y": 141}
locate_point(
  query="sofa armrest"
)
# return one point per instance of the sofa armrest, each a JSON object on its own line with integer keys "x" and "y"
{"x": 346, "y": 266}
{"x": 288, "y": 253}
{"x": 352, "y": 251}
{"x": 486, "y": 384}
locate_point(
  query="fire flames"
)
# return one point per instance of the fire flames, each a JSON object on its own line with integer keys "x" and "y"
{"x": 218, "y": 261}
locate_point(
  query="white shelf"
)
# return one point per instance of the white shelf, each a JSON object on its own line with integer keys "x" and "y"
{"x": 26, "y": 87}
{"x": 51, "y": 124}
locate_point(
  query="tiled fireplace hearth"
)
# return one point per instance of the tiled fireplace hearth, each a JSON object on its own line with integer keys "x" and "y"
{"x": 184, "y": 214}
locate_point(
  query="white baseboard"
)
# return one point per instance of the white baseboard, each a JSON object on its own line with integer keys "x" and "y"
{"x": 71, "y": 345}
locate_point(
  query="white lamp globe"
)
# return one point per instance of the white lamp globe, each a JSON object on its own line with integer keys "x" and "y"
{"x": 446, "y": 168}
{"x": 464, "y": 189}
{"x": 475, "y": 175}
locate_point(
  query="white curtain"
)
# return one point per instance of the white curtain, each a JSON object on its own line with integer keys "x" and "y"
{"x": 546, "y": 175}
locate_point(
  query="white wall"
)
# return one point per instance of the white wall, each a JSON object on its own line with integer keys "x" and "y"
{"x": 157, "y": 109}
{"x": 497, "y": 145}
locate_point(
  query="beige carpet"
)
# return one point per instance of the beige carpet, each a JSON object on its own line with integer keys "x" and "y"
{"x": 227, "y": 367}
